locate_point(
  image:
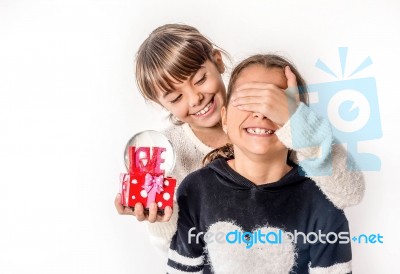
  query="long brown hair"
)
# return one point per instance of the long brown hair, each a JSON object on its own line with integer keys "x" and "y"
{"x": 268, "y": 61}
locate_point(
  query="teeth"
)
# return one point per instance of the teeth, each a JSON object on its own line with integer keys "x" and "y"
{"x": 259, "y": 131}
{"x": 204, "y": 110}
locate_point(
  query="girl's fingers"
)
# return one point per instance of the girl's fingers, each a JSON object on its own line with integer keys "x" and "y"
{"x": 118, "y": 206}
{"x": 122, "y": 210}
{"x": 256, "y": 108}
{"x": 254, "y": 89}
{"x": 152, "y": 213}
{"x": 293, "y": 90}
{"x": 252, "y": 93}
{"x": 139, "y": 212}
{"x": 291, "y": 78}
{"x": 254, "y": 85}
{"x": 277, "y": 113}
{"x": 250, "y": 100}
{"x": 167, "y": 214}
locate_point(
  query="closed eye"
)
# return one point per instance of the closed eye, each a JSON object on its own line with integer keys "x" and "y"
{"x": 176, "y": 99}
{"x": 202, "y": 80}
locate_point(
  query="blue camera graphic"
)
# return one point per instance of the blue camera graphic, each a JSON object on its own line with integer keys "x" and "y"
{"x": 352, "y": 108}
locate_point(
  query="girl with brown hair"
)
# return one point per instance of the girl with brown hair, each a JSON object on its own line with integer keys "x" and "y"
{"x": 180, "y": 69}
{"x": 250, "y": 210}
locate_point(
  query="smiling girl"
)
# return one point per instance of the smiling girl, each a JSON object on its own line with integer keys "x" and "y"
{"x": 259, "y": 213}
{"x": 180, "y": 69}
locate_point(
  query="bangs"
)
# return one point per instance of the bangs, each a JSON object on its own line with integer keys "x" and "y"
{"x": 172, "y": 62}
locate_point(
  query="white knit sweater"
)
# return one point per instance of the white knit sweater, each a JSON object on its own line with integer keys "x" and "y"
{"x": 344, "y": 187}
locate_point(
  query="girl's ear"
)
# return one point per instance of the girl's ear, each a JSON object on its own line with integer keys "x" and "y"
{"x": 223, "y": 120}
{"x": 218, "y": 61}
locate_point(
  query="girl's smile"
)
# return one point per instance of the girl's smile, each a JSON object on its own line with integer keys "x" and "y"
{"x": 259, "y": 131}
{"x": 256, "y": 125}
{"x": 207, "y": 110}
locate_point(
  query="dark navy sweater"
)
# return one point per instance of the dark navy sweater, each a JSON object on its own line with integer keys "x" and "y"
{"x": 227, "y": 224}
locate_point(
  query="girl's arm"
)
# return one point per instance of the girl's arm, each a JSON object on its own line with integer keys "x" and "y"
{"x": 160, "y": 233}
{"x": 187, "y": 159}
{"x": 326, "y": 163}
{"x": 161, "y": 228}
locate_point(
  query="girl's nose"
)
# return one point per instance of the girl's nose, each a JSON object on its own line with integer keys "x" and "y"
{"x": 195, "y": 99}
{"x": 259, "y": 115}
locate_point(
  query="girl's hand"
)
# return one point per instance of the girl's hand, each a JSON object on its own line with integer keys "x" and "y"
{"x": 269, "y": 100}
{"x": 139, "y": 211}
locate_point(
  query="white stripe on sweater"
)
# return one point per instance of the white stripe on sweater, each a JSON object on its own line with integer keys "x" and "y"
{"x": 171, "y": 270}
{"x": 341, "y": 268}
{"x": 175, "y": 256}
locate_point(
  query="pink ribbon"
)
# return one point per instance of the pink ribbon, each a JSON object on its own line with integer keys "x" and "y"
{"x": 153, "y": 185}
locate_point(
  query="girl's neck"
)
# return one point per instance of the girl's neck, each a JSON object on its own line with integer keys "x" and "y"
{"x": 211, "y": 136}
{"x": 261, "y": 170}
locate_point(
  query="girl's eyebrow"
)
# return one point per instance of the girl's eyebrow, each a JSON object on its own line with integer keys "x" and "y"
{"x": 193, "y": 74}
{"x": 168, "y": 92}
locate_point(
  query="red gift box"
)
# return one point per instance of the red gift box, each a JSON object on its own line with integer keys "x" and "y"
{"x": 145, "y": 182}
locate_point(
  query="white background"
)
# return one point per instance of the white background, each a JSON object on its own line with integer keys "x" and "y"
{"x": 68, "y": 104}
